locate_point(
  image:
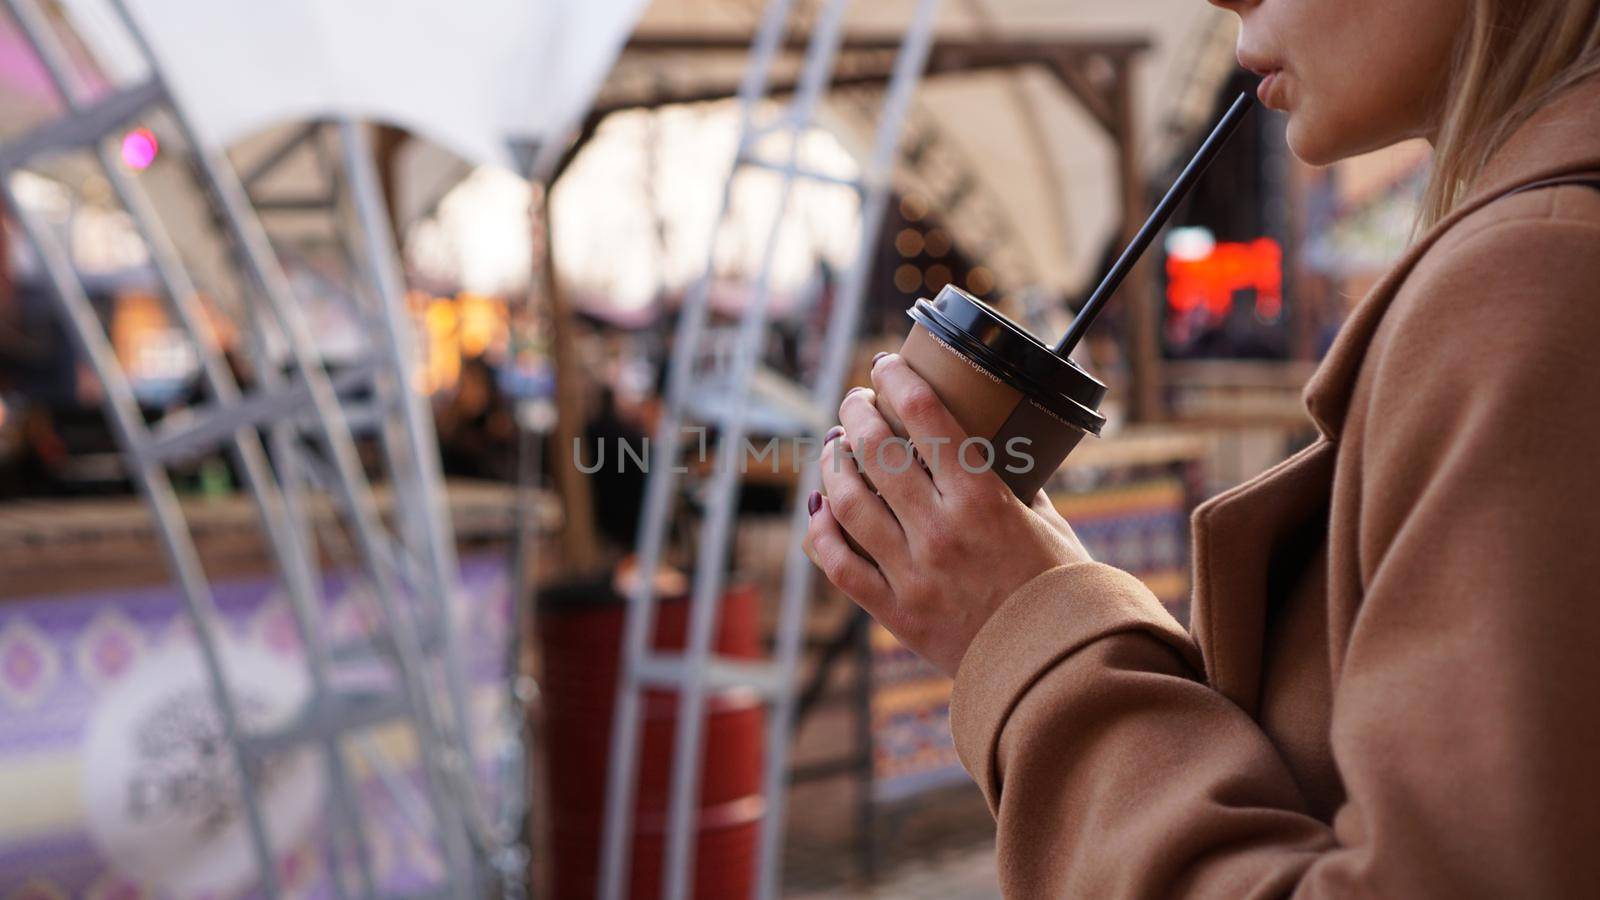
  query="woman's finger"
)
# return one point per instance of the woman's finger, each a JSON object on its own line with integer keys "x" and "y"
{"x": 925, "y": 418}
{"x": 887, "y": 458}
{"x": 858, "y": 509}
{"x": 846, "y": 569}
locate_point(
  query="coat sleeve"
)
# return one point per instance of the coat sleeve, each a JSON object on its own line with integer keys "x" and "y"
{"x": 1466, "y": 724}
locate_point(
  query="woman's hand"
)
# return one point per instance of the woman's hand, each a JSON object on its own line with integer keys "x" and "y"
{"x": 948, "y": 542}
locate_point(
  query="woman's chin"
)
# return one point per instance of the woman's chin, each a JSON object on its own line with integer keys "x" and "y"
{"x": 1313, "y": 145}
{"x": 1324, "y": 142}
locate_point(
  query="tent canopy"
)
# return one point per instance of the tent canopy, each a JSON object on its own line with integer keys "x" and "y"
{"x": 480, "y": 78}
{"x": 1040, "y": 169}
{"x": 476, "y": 77}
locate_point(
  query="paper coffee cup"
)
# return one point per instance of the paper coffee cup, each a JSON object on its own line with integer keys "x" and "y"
{"x": 1024, "y": 407}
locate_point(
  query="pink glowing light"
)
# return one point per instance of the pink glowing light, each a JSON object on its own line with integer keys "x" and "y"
{"x": 139, "y": 148}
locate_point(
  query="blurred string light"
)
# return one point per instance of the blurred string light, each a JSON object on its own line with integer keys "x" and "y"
{"x": 139, "y": 149}
{"x": 908, "y": 242}
{"x": 907, "y": 278}
{"x": 912, "y": 243}
{"x": 980, "y": 280}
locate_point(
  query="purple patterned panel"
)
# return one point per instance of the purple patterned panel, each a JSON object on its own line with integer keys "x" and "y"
{"x": 61, "y": 656}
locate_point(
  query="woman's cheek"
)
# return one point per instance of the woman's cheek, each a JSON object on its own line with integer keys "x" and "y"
{"x": 1335, "y": 116}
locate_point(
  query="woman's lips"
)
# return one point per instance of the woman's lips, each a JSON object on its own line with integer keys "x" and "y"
{"x": 1266, "y": 90}
{"x": 1269, "y": 69}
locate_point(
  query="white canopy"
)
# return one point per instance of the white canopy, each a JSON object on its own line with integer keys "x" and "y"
{"x": 476, "y": 77}
{"x": 477, "y": 80}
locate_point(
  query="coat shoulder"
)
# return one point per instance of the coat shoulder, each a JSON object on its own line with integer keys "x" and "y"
{"x": 1482, "y": 365}
{"x": 1521, "y": 218}
{"x": 1521, "y": 268}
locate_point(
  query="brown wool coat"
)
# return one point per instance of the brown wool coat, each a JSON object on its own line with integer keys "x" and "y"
{"x": 1392, "y": 686}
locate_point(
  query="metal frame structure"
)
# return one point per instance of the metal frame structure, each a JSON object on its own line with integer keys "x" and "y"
{"x": 309, "y": 432}
{"x": 1098, "y": 73}
{"x": 696, "y": 670}
{"x": 351, "y": 204}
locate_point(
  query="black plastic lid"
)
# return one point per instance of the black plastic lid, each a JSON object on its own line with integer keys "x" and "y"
{"x": 1007, "y": 349}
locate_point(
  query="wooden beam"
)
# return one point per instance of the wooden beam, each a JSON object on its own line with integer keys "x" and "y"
{"x": 1063, "y": 57}
{"x": 580, "y": 539}
{"x": 1144, "y": 324}
{"x": 386, "y": 147}
{"x": 1111, "y": 46}
{"x": 1100, "y": 104}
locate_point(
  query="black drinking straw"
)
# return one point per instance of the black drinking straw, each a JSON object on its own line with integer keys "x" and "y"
{"x": 1147, "y": 233}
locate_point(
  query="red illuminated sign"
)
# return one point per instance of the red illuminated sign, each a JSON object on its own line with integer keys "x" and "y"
{"x": 1212, "y": 280}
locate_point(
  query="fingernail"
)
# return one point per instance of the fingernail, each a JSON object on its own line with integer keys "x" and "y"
{"x": 878, "y": 356}
{"x": 813, "y": 503}
{"x": 833, "y": 432}
{"x": 854, "y": 390}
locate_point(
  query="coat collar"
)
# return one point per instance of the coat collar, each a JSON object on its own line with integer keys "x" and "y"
{"x": 1241, "y": 539}
{"x": 1561, "y": 138}
{"x": 1238, "y": 534}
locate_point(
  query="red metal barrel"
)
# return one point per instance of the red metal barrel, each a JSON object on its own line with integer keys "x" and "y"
{"x": 580, "y": 632}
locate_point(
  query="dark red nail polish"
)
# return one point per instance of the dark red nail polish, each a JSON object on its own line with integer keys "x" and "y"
{"x": 833, "y": 432}
{"x": 813, "y": 503}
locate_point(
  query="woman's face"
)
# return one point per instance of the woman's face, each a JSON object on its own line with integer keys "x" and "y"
{"x": 1353, "y": 75}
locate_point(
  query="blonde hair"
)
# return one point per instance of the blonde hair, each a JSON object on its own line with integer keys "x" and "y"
{"x": 1512, "y": 58}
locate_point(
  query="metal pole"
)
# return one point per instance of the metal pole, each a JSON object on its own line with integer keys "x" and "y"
{"x": 287, "y": 545}
{"x": 837, "y": 346}
{"x": 441, "y": 564}
{"x": 521, "y": 690}
{"x": 127, "y": 423}
{"x": 715, "y": 533}
{"x": 350, "y": 487}
{"x": 622, "y": 774}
